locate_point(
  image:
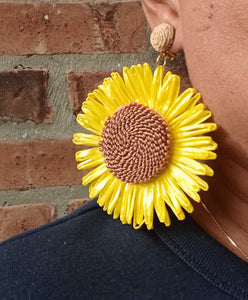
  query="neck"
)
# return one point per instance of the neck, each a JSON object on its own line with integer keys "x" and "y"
{"x": 227, "y": 203}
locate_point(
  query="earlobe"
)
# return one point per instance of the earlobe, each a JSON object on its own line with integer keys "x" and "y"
{"x": 165, "y": 11}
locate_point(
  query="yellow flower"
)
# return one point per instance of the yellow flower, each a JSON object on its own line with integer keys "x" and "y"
{"x": 146, "y": 139}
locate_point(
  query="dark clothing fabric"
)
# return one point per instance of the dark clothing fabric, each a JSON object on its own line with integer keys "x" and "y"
{"x": 88, "y": 255}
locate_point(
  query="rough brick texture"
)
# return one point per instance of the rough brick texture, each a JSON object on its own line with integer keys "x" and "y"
{"x": 23, "y": 95}
{"x": 82, "y": 83}
{"x": 75, "y": 204}
{"x": 38, "y": 163}
{"x": 89, "y": 27}
{"x": 19, "y": 218}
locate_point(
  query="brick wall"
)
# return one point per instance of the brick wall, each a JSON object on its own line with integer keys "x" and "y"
{"x": 51, "y": 56}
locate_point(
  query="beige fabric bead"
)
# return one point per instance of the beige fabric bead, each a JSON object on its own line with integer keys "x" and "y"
{"x": 162, "y": 37}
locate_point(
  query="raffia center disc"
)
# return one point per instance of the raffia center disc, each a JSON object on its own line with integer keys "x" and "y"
{"x": 135, "y": 143}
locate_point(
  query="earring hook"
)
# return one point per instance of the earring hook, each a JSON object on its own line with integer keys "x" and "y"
{"x": 164, "y": 56}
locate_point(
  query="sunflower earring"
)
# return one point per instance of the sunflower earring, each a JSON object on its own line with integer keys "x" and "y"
{"x": 145, "y": 142}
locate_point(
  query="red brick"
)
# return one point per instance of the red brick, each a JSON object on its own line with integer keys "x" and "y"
{"x": 23, "y": 95}
{"x": 82, "y": 83}
{"x": 89, "y": 27}
{"x": 19, "y": 218}
{"x": 38, "y": 163}
{"x": 75, "y": 204}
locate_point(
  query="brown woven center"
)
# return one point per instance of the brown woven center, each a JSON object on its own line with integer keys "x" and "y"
{"x": 135, "y": 143}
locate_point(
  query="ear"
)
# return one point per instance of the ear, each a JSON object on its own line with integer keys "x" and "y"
{"x": 165, "y": 11}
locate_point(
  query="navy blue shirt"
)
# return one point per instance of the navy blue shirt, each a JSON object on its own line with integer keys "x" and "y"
{"x": 88, "y": 255}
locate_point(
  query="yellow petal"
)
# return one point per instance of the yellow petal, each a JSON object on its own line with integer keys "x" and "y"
{"x": 181, "y": 176}
{"x": 188, "y": 116}
{"x": 161, "y": 95}
{"x": 148, "y": 205}
{"x": 147, "y": 79}
{"x": 166, "y": 78}
{"x": 97, "y": 186}
{"x": 90, "y": 159}
{"x": 199, "y": 118}
{"x": 138, "y": 219}
{"x": 95, "y": 107}
{"x": 168, "y": 94}
{"x": 94, "y": 174}
{"x": 194, "y": 100}
{"x": 180, "y": 197}
{"x": 190, "y": 190}
{"x": 180, "y": 105}
{"x": 198, "y": 129}
{"x": 192, "y": 166}
{"x": 173, "y": 197}
{"x": 86, "y": 139}
{"x": 92, "y": 117}
{"x": 144, "y": 89}
{"x": 201, "y": 142}
{"x": 156, "y": 86}
{"x": 90, "y": 163}
{"x": 162, "y": 189}
{"x": 117, "y": 210}
{"x": 121, "y": 86}
{"x": 159, "y": 205}
{"x": 129, "y": 78}
{"x": 116, "y": 196}
{"x": 119, "y": 90}
{"x": 106, "y": 192}
{"x": 195, "y": 153}
{"x": 87, "y": 153}
{"x": 108, "y": 87}
{"x": 89, "y": 123}
{"x": 130, "y": 203}
{"x": 126, "y": 213}
{"x": 202, "y": 184}
{"x": 106, "y": 102}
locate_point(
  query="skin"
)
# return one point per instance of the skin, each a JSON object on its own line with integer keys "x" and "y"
{"x": 213, "y": 34}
